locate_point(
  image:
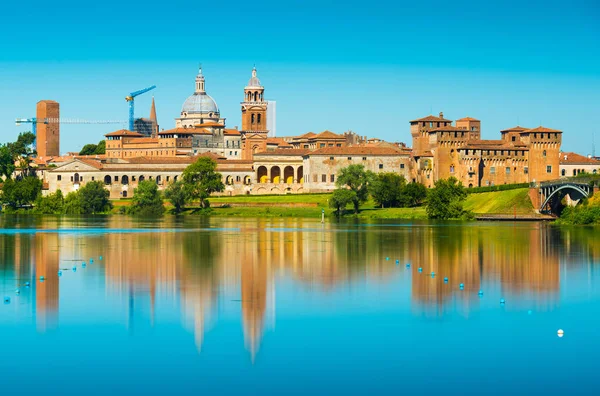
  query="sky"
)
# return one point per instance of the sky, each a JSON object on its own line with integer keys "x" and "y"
{"x": 369, "y": 67}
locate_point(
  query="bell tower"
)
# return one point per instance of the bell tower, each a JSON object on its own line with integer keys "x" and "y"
{"x": 254, "y": 106}
{"x": 254, "y": 118}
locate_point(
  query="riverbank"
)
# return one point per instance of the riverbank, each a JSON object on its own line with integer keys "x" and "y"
{"x": 498, "y": 203}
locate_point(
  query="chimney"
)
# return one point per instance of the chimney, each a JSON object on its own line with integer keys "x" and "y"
{"x": 441, "y": 115}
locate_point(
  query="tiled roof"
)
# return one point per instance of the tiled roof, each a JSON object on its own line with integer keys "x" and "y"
{"x": 232, "y": 132}
{"x": 431, "y": 118}
{"x": 327, "y": 135}
{"x": 543, "y": 129}
{"x": 577, "y": 159}
{"x": 306, "y": 135}
{"x": 514, "y": 129}
{"x": 124, "y": 132}
{"x": 286, "y": 152}
{"x": 357, "y": 150}
{"x": 96, "y": 164}
{"x": 467, "y": 119}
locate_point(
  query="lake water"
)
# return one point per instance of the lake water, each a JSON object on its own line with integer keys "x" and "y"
{"x": 291, "y": 306}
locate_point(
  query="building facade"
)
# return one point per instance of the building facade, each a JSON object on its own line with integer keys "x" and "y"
{"x": 47, "y": 128}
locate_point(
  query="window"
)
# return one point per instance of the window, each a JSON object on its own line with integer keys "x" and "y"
{"x": 330, "y": 158}
{"x": 544, "y": 153}
{"x": 349, "y": 158}
{"x": 563, "y": 172}
{"x": 322, "y": 145}
{"x": 332, "y": 178}
{"x": 93, "y": 178}
{"x": 364, "y": 158}
{"x": 132, "y": 178}
{"x": 514, "y": 138}
{"x": 526, "y": 170}
{"x": 549, "y": 169}
{"x": 401, "y": 166}
{"x": 507, "y": 170}
{"x": 451, "y": 168}
{"x": 324, "y": 178}
{"x": 380, "y": 166}
{"x": 168, "y": 177}
{"x": 306, "y": 146}
{"x": 339, "y": 145}
{"x": 492, "y": 170}
{"x": 59, "y": 177}
{"x": 116, "y": 178}
{"x": 258, "y": 118}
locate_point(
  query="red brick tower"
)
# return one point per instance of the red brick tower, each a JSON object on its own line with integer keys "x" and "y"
{"x": 48, "y": 133}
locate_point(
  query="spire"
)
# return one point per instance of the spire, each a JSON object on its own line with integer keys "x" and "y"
{"x": 153, "y": 111}
{"x": 200, "y": 81}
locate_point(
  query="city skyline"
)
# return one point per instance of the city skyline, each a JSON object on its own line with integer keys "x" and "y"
{"x": 340, "y": 69}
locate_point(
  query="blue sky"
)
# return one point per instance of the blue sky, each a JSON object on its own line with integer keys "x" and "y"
{"x": 365, "y": 66}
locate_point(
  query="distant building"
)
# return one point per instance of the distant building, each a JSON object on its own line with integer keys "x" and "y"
{"x": 573, "y": 164}
{"x": 48, "y": 133}
{"x": 147, "y": 126}
{"x": 272, "y": 118}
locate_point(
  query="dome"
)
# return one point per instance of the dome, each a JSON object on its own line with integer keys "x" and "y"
{"x": 254, "y": 81}
{"x": 199, "y": 103}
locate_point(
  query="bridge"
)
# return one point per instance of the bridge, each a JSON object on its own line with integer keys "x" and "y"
{"x": 547, "y": 196}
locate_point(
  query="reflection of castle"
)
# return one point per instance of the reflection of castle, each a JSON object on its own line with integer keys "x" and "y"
{"x": 205, "y": 273}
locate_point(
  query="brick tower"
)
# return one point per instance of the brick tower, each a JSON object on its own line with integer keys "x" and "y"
{"x": 48, "y": 133}
{"x": 254, "y": 118}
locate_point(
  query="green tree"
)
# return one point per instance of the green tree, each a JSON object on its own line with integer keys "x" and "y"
{"x": 176, "y": 194}
{"x": 93, "y": 198}
{"x": 72, "y": 204}
{"x": 21, "y": 192}
{"x": 22, "y": 151}
{"x": 340, "y": 198}
{"x": 445, "y": 200}
{"x": 7, "y": 162}
{"x": 147, "y": 200}
{"x": 386, "y": 189}
{"x": 357, "y": 179}
{"x": 94, "y": 149}
{"x": 50, "y": 204}
{"x": 413, "y": 194}
{"x": 201, "y": 179}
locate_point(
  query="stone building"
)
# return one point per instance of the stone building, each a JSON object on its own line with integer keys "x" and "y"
{"x": 441, "y": 150}
{"x": 322, "y": 166}
{"x": 573, "y": 164}
{"x": 121, "y": 176}
{"x": 279, "y": 171}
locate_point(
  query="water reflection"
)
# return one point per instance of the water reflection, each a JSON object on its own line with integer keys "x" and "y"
{"x": 216, "y": 265}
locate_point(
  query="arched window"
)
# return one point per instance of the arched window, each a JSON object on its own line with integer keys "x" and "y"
{"x": 141, "y": 179}
{"x": 76, "y": 178}
{"x": 252, "y": 118}
{"x": 258, "y": 118}
{"x": 107, "y": 179}
{"x": 125, "y": 180}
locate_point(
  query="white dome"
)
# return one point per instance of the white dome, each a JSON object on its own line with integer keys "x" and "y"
{"x": 200, "y": 103}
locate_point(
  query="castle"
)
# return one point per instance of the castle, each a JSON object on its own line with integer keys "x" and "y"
{"x": 251, "y": 162}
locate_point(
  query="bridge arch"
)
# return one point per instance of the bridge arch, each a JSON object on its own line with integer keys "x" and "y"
{"x": 554, "y": 191}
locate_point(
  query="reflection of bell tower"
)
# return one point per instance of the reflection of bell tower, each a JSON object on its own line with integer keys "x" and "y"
{"x": 254, "y": 118}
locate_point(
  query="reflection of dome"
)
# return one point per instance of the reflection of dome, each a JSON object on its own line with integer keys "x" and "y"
{"x": 200, "y": 103}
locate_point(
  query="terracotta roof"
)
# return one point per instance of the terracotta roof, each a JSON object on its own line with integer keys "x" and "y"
{"x": 357, "y": 150}
{"x": 577, "y": 159}
{"x": 124, "y": 132}
{"x": 96, "y": 164}
{"x": 431, "y": 118}
{"x": 286, "y": 152}
{"x": 468, "y": 119}
{"x": 327, "y": 135}
{"x": 514, "y": 129}
{"x": 233, "y": 132}
{"x": 306, "y": 135}
{"x": 543, "y": 129}
{"x": 209, "y": 124}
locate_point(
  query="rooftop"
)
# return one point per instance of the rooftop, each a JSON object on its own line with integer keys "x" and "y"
{"x": 357, "y": 150}
{"x": 468, "y": 119}
{"x": 430, "y": 118}
{"x": 543, "y": 130}
{"x": 284, "y": 152}
{"x": 124, "y": 132}
{"x": 577, "y": 159}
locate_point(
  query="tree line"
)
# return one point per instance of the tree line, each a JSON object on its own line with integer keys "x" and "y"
{"x": 355, "y": 185}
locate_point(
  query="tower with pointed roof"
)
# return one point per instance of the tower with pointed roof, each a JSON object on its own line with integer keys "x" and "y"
{"x": 254, "y": 117}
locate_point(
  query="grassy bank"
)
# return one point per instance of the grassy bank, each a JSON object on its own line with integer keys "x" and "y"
{"x": 310, "y": 206}
{"x": 500, "y": 202}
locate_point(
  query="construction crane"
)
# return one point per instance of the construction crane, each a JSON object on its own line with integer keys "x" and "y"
{"x": 131, "y": 98}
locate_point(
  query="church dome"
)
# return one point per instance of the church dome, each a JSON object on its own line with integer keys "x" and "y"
{"x": 200, "y": 103}
{"x": 254, "y": 81}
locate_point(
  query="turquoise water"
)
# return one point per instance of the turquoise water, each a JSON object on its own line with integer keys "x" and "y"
{"x": 291, "y": 306}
